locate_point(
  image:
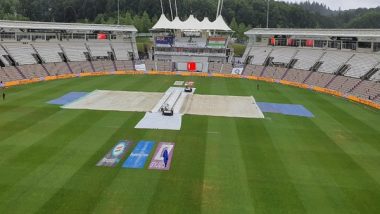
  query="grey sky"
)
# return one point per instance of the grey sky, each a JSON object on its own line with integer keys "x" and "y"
{"x": 344, "y": 4}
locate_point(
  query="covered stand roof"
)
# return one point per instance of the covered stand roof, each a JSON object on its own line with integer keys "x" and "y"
{"x": 191, "y": 23}
{"x": 316, "y": 32}
{"x": 65, "y": 26}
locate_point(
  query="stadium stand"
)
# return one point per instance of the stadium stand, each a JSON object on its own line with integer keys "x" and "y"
{"x": 76, "y": 67}
{"x": 343, "y": 84}
{"x": 3, "y": 76}
{"x": 280, "y": 73}
{"x": 332, "y": 60}
{"x": 269, "y": 72}
{"x": 190, "y": 42}
{"x": 150, "y": 65}
{"x": 119, "y": 66}
{"x": 319, "y": 79}
{"x": 215, "y": 67}
{"x": 87, "y": 67}
{"x": 259, "y": 55}
{"x": 12, "y": 73}
{"x": 253, "y": 70}
{"x": 295, "y": 64}
{"x": 99, "y": 49}
{"x": 22, "y": 53}
{"x": 296, "y": 75}
{"x": 274, "y": 72}
{"x": 2, "y": 58}
{"x": 49, "y": 51}
{"x": 56, "y": 69}
{"x": 80, "y": 67}
{"x": 121, "y": 50}
{"x": 376, "y": 76}
{"x": 164, "y": 66}
{"x": 108, "y": 65}
{"x": 367, "y": 89}
{"x": 227, "y": 68}
{"x": 361, "y": 63}
{"x": 283, "y": 55}
{"x": 75, "y": 51}
{"x": 98, "y": 66}
{"x": 307, "y": 58}
{"x": 129, "y": 66}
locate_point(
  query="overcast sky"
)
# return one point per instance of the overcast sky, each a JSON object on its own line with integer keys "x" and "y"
{"x": 344, "y": 4}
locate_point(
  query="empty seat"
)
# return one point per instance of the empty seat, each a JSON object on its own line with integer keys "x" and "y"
{"x": 99, "y": 49}
{"x": 376, "y": 76}
{"x": 21, "y": 53}
{"x": 122, "y": 50}
{"x": 319, "y": 79}
{"x": 29, "y": 71}
{"x": 307, "y": 58}
{"x": 98, "y": 66}
{"x": 259, "y": 55}
{"x": 215, "y": 67}
{"x": 296, "y": 75}
{"x": 283, "y": 55}
{"x": 12, "y": 73}
{"x": 49, "y": 51}
{"x": 164, "y": 66}
{"x": 108, "y": 66}
{"x": 227, "y": 68}
{"x": 2, "y": 58}
{"x": 253, "y": 70}
{"x": 343, "y": 84}
{"x": 3, "y": 76}
{"x": 332, "y": 60}
{"x": 361, "y": 64}
{"x": 150, "y": 65}
{"x": 128, "y": 65}
{"x": 367, "y": 89}
{"x": 58, "y": 68}
{"x": 74, "y": 51}
{"x": 269, "y": 72}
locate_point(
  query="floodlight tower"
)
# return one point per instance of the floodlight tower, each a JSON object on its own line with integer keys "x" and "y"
{"x": 171, "y": 10}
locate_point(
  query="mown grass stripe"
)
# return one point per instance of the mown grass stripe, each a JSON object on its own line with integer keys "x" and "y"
{"x": 33, "y": 157}
{"x": 82, "y": 182}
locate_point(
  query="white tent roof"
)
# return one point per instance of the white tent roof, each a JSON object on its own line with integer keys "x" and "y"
{"x": 191, "y": 23}
{"x": 162, "y": 23}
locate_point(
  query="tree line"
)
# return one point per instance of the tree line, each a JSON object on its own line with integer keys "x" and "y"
{"x": 240, "y": 14}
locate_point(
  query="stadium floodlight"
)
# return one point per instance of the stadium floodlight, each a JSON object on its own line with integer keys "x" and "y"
{"x": 176, "y": 9}
{"x": 162, "y": 7}
{"x": 171, "y": 10}
{"x": 221, "y": 7}
{"x": 217, "y": 9}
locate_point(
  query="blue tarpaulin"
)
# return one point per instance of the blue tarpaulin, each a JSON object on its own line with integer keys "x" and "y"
{"x": 286, "y": 109}
{"x": 68, "y": 98}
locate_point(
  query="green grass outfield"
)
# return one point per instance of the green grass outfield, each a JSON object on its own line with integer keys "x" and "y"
{"x": 281, "y": 164}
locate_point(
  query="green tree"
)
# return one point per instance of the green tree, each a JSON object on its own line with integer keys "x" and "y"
{"x": 368, "y": 20}
{"x": 127, "y": 19}
{"x": 234, "y": 25}
{"x": 146, "y": 23}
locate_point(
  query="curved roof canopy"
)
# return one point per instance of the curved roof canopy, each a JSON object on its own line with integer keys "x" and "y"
{"x": 191, "y": 23}
{"x": 65, "y": 26}
{"x": 316, "y": 32}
